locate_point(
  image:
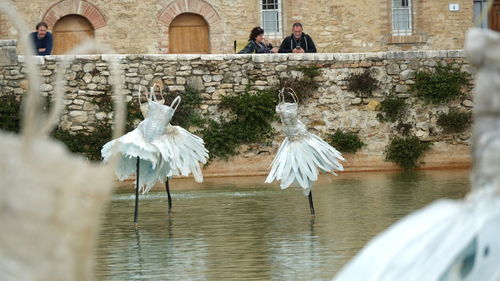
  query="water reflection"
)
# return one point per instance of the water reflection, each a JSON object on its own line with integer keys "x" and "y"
{"x": 241, "y": 229}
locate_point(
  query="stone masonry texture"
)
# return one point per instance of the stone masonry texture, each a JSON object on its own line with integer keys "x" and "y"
{"x": 136, "y": 27}
{"x": 330, "y": 108}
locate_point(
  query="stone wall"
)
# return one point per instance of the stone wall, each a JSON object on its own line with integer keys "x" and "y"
{"x": 134, "y": 26}
{"x": 331, "y": 107}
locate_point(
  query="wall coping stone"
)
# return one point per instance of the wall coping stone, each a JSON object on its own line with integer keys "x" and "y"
{"x": 212, "y": 57}
{"x": 36, "y": 59}
{"x": 259, "y": 58}
{"x": 110, "y": 57}
{"x": 162, "y": 57}
{"x": 4, "y": 43}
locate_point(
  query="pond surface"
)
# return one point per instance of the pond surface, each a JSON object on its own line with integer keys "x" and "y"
{"x": 243, "y": 229}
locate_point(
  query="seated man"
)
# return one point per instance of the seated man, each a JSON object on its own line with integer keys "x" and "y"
{"x": 42, "y": 39}
{"x": 298, "y": 42}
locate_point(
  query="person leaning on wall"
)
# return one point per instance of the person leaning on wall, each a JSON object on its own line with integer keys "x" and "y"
{"x": 297, "y": 42}
{"x": 42, "y": 39}
{"x": 257, "y": 43}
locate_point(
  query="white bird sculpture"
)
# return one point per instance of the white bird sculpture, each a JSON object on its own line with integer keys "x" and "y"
{"x": 451, "y": 240}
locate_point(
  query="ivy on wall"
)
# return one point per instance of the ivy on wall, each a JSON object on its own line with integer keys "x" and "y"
{"x": 9, "y": 113}
{"x": 345, "y": 142}
{"x": 247, "y": 119}
{"x": 441, "y": 85}
{"x": 362, "y": 84}
{"x": 392, "y": 109}
{"x": 455, "y": 121}
{"x": 306, "y": 85}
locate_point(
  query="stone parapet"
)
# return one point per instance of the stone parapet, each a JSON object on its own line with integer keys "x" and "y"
{"x": 331, "y": 107}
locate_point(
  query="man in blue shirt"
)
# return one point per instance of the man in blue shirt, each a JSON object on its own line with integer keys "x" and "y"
{"x": 42, "y": 39}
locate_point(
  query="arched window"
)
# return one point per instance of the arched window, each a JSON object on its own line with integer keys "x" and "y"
{"x": 69, "y": 31}
{"x": 188, "y": 34}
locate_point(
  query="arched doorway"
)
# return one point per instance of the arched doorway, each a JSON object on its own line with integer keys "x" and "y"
{"x": 188, "y": 34}
{"x": 494, "y": 16}
{"x": 69, "y": 31}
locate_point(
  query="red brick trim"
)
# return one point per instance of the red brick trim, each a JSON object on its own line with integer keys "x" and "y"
{"x": 411, "y": 39}
{"x": 78, "y": 7}
{"x": 199, "y": 7}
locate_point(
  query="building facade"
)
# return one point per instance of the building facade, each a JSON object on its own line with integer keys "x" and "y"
{"x": 214, "y": 26}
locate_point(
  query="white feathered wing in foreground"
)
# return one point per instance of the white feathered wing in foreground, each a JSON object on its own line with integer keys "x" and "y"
{"x": 451, "y": 240}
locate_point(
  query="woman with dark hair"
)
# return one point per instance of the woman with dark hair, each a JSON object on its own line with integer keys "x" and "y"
{"x": 257, "y": 44}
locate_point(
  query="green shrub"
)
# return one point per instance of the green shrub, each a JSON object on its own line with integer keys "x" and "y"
{"x": 222, "y": 139}
{"x": 253, "y": 112}
{"x": 10, "y": 113}
{"x": 87, "y": 144}
{"x": 455, "y": 121}
{"x": 442, "y": 85}
{"x": 392, "y": 109}
{"x": 187, "y": 114}
{"x": 310, "y": 71}
{"x": 250, "y": 120}
{"x": 406, "y": 151}
{"x": 345, "y": 142}
{"x": 403, "y": 128}
{"x": 362, "y": 84}
{"x": 306, "y": 85}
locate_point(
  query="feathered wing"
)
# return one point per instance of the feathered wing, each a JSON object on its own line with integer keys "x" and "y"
{"x": 297, "y": 161}
{"x": 421, "y": 246}
{"x": 187, "y": 152}
{"x": 129, "y": 147}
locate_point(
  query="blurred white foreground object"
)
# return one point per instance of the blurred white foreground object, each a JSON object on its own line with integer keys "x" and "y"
{"x": 451, "y": 240}
{"x": 50, "y": 198}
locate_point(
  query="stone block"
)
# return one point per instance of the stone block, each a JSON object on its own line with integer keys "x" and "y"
{"x": 468, "y": 103}
{"x": 356, "y": 101}
{"x": 8, "y": 43}
{"x": 88, "y": 67}
{"x": 8, "y": 55}
{"x": 195, "y": 82}
{"x": 373, "y": 105}
{"x": 39, "y": 60}
{"x": 46, "y": 88}
{"x": 176, "y": 88}
{"x": 188, "y": 57}
{"x": 402, "y": 88}
{"x": 413, "y": 55}
{"x": 456, "y": 54}
{"x": 407, "y": 74}
{"x": 212, "y": 57}
{"x": 113, "y": 57}
{"x": 393, "y": 68}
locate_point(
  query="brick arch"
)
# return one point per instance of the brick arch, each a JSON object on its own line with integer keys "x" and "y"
{"x": 75, "y": 7}
{"x": 199, "y": 7}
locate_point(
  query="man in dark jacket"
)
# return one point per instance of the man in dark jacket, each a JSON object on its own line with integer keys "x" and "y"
{"x": 42, "y": 39}
{"x": 298, "y": 42}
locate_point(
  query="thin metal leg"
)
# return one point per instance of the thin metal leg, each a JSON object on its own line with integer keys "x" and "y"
{"x": 311, "y": 204}
{"x": 167, "y": 186}
{"x": 136, "y": 210}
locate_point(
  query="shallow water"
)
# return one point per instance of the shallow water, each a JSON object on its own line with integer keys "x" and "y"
{"x": 242, "y": 229}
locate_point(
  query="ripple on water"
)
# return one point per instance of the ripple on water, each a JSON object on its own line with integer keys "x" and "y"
{"x": 254, "y": 231}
